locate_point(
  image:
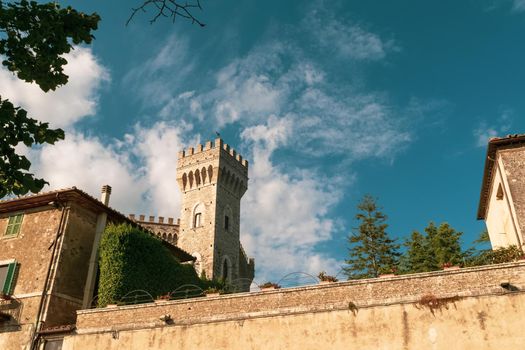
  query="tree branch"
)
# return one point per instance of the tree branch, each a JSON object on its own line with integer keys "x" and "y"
{"x": 169, "y": 8}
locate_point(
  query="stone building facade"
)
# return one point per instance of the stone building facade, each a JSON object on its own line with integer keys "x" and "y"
{"x": 49, "y": 241}
{"x": 502, "y": 199}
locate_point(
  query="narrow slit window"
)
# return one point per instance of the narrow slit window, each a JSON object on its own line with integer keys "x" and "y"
{"x": 13, "y": 226}
{"x": 226, "y": 222}
{"x": 225, "y": 270}
{"x": 499, "y": 193}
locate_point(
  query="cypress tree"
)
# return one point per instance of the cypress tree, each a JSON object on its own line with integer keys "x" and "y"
{"x": 371, "y": 251}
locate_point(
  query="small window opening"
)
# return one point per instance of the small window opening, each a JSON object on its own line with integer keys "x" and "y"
{"x": 499, "y": 194}
{"x": 13, "y": 226}
{"x": 197, "y": 220}
{"x": 225, "y": 270}
{"x": 226, "y": 222}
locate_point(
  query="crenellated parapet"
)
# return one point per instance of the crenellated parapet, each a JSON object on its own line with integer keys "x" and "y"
{"x": 215, "y": 147}
{"x": 214, "y": 163}
{"x": 151, "y": 219}
{"x": 167, "y": 230}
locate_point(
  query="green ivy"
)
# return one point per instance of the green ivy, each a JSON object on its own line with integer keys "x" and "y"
{"x": 131, "y": 259}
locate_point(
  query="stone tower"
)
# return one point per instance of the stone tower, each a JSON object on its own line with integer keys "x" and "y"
{"x": 212, "y": 180}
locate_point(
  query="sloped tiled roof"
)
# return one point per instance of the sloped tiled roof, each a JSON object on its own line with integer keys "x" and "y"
{"x": 74, "y": 194}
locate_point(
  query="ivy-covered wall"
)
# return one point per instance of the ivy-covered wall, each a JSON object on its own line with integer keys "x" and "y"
{"x": 131, "y": 259}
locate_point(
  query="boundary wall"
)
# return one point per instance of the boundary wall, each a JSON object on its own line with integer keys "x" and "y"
{"x": 482, "y": 307}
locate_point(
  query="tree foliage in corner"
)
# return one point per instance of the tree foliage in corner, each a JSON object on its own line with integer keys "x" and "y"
{"x": 33, "y": 38}
{"x": 131, "y": 259}
{"x": 371, "y": 250}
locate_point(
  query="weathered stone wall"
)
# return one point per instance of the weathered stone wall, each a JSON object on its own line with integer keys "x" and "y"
{"x": 514, "y": 162}
{"x": 469, "y": 308}
{"x": 69, "y": 280}
{"x": 31, "y": 249}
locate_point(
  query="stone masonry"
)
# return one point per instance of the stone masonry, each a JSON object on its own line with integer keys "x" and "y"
{"x": 213, "y": 179}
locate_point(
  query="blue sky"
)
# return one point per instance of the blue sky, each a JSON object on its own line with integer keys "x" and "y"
{"x": 327, "y": 100}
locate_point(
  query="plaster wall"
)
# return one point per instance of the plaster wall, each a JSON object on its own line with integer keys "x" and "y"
{"x": 473, "y": 311}
{"x": 499, "y": 218}
{"x": 473, "y": 323}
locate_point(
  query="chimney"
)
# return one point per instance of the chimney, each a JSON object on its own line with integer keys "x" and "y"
{"x": 106, "y": 192}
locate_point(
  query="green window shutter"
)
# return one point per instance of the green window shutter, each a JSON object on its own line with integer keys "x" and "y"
{"x": 10, "y": 277}
{"x": 18, "y": 218}
{"x": 13, "y": 226}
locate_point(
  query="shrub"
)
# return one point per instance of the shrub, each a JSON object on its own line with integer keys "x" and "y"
{"x": 327, "y": 278}
{"x": 270, "y": 285}
{"x": 131, "y": 259}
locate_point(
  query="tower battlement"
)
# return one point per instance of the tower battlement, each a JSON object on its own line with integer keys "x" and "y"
{"x": 214, "y": 146}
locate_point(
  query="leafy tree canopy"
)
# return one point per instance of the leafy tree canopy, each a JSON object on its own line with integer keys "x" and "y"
{"x": 33, "y": 39}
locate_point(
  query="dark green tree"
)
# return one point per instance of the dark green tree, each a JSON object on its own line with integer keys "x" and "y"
{"x": 439, "y": 245}
{"x": 371, "y": 251}
{"x": 445, "y": 244}
{"x": 33, "y": 39}
{"x": 418, "y": 256}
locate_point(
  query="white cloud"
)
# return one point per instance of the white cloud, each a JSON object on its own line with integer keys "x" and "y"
{"x": 88, "y": 164}
{"x": 485, "y": 131}
{"x": 69, "y": 103}
{"x": 141, "y": 168}
{"x": 156, "y": 79}
{"x": 157, "y": 149}
{"x": 285, "y": 216}
{"x": 518, "y": 5}
{"x": 347, "y": 40}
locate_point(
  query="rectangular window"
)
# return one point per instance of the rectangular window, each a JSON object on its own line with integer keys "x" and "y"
{"x": 13, "y": 226}
{"x": 197, "y": 220}
{"x": 55, "y": 344}
{"x": 7, "y": 276}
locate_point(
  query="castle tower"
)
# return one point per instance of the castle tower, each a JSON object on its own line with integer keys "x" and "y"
{"x": 212, "y": 180}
